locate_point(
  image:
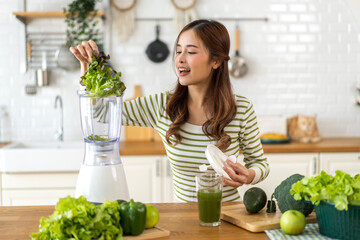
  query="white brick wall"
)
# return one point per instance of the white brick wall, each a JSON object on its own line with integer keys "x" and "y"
{"x": 304, "y": 60}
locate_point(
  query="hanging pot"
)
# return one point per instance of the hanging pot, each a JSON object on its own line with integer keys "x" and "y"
{"x": 237, "y": 64}
{"x": 157, "y": 51}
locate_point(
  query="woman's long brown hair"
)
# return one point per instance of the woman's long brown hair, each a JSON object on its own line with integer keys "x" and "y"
{"x": 220, "y": 99}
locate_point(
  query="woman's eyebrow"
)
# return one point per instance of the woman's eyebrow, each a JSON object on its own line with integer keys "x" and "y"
{"x": 188, "y": 45}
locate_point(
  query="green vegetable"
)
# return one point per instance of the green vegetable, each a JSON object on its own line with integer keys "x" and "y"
{"x": 286, "y": 201}
{"x": 76, "y": 218}
{"x": 133, "y": 217}
{"x": 341, "y": 189}
{"x": 100, "y": 79}
{"x": 271, "y": 206}
{"x": 254, "y": 199}
{"x": 97, "y": 138}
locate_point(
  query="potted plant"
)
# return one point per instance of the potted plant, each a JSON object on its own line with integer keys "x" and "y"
{"x": 81, "y": 22}
{"x": 336, "y": 201}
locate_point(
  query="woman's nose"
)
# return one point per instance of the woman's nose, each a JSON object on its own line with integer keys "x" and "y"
{"x": 181, "y": 58}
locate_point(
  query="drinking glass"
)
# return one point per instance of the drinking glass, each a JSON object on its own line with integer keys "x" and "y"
{"x": 209, "y": 195}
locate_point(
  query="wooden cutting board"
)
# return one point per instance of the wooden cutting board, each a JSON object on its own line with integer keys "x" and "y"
{"x": 259, "y": 222}
{"x": 155, "y": 232}
{"x": 138, "y": 133}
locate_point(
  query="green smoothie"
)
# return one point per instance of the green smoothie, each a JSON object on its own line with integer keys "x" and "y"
{"x": 209, "y": 203}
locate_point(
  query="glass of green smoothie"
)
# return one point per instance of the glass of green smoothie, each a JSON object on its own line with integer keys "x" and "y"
{"x": 209, "y": 194}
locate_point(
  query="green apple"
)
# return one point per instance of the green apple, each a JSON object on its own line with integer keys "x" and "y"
{"x": 292, "y": 222}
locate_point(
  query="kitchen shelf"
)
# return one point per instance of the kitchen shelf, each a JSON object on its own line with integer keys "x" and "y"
{"x": 23, "y": 16}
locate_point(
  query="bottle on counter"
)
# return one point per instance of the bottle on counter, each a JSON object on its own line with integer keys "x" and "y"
{"x": 4, "y": 125}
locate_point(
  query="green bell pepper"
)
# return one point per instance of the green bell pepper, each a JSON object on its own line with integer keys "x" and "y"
{"x": 133, "y": 217}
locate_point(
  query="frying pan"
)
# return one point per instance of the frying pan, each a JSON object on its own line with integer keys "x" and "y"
{"x": 157, "y": 51}
{"x": 237, "y": 64}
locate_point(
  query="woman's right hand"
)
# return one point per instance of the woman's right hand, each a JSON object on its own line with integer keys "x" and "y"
{"x": 83, "y": 52}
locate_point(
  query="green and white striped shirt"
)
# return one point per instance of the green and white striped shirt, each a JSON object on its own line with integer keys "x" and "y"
{"x": 186, "y": 157}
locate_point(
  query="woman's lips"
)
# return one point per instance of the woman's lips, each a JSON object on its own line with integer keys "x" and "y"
{"x": 183, "y": 71}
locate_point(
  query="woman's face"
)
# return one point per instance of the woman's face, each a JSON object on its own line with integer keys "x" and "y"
{"x": 192, "y": 60}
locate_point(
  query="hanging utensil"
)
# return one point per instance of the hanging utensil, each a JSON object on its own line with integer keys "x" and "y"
{"x": 28, "y": 46}
{"x": 157, "y": 51}
{"x": 42, "y": 77}
{"x": 237, "y": 64}
{"x": 64, "y": 59}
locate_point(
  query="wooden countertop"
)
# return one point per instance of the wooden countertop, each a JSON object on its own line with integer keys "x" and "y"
{"x": 180, "y": 218}
{"x": 325, "y": 145}
{"x": 3, "y": 144}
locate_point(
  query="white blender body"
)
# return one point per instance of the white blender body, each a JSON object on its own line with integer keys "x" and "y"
{"x": 101, "y": 174}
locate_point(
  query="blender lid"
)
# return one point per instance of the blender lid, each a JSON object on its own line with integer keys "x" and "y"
{"x": 217, "y": 159}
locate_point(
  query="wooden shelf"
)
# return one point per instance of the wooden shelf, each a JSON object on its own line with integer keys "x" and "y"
{"x": 23, "y": 16}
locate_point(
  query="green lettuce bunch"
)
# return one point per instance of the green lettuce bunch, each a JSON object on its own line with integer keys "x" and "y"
{"x": 76, "y": 218}
{"x": 341, "y": 189}
{"x": 100, "y": 79}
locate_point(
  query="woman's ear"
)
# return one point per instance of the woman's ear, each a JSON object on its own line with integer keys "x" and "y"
{"x": 216, "y": 64}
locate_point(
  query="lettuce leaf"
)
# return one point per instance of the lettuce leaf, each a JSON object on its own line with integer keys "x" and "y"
{"x": 76, "y": 218}
{"x": 341, "y": 189}
{"x": 100, "y": 79}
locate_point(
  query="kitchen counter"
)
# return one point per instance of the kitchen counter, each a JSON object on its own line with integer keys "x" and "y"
{"x": 3, "y": 144}
{"x": 180, "y": 218}
{"x": 326, "y": 145}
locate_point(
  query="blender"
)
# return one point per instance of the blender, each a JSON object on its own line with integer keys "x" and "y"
{"x": 102, "y": 173}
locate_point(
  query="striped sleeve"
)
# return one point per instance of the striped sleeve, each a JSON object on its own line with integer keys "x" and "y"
{"x": 251, "y": 146}
{"x": 144, "y": 111}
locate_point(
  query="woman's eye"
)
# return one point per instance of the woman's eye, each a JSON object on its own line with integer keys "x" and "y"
{"x": 192, "y": 52}
{"x": 178, "y": 52}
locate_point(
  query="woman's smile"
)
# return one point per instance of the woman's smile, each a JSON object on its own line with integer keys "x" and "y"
{"x": 183, "y": 71}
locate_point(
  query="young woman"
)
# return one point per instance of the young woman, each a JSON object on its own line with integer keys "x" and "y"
{"x": 201, "y": 110}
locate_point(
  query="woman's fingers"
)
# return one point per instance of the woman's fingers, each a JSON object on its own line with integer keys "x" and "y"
{"x": 84, "y": 51}
{"x": 240, "y": 173}
{"x": 78, "y": 54}
{"x": 235, "y": 176}
{"x": 238, "y": 168}
{"x": 231, "y": 183}
{"x": 88, "y": 49}
{"x": 94, "y": 46}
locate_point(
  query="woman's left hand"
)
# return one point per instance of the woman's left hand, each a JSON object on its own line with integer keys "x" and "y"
{"x": 239, "y": 176}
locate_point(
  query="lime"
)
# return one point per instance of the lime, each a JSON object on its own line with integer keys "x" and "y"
{"x": 152, "y": 216}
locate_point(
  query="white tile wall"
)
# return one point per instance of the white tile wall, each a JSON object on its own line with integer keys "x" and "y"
{"x": 304, "y": 60}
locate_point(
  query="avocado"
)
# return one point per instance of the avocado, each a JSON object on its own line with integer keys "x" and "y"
{"x": 254, "y": 199}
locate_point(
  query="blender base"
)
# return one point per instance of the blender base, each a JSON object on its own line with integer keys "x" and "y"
{"x": 98, "y": 183}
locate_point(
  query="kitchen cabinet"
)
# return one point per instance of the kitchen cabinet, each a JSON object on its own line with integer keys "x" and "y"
{"x": 34, "y": 197}
{"x": 347, "y": 162}
{"x": 282, "y": 166}
{"x": 168, "y": 186}
{"x": 36, "y": 188}
{"x": 143, "y": 175}
{"x": 149, "y": 180}
{"x": 25, "y": 17}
